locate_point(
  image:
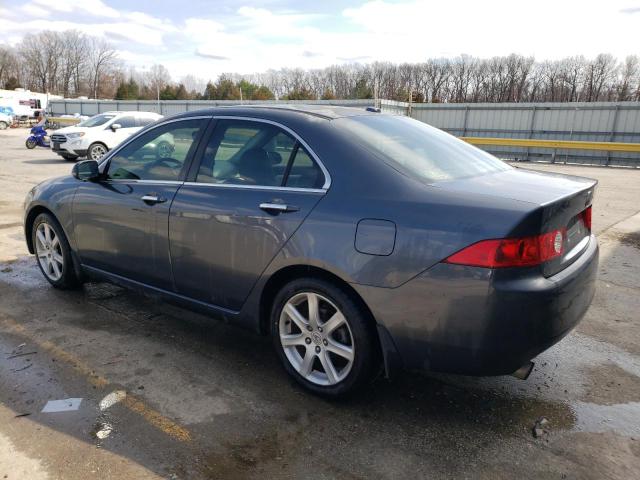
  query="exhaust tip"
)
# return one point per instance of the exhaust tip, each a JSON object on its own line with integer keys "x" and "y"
{"x": 524, "y": 371}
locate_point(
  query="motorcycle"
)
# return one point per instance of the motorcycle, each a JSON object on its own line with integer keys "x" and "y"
{"x": 38, "y": 138}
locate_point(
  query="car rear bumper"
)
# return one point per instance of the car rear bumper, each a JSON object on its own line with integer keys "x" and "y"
{"x": 477, "y": 321}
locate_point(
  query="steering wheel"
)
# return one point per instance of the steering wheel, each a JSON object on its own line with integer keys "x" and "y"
{"x": 168, "y": 162}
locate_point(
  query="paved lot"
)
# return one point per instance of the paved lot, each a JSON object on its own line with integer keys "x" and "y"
{"x": 195, "y": 398}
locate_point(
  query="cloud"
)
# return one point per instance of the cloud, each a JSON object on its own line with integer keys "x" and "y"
{"x": 309, "y": 54}
{"x": 361, "y": 58}
{"x": 35, "y": 10}
{"x": 630, "y": 10}
{"x": 211, "y": 56}
{"x": 92, "y": 7}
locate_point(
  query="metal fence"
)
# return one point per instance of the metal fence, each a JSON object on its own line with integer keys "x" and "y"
{"x": 581, "y": 121}
{"x": 594, "y": 122}
{"x": 171, "y": 107}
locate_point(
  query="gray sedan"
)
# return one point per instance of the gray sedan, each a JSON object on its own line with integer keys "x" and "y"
{"x": 361, "y": 242}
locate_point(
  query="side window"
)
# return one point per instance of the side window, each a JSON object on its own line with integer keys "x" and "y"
{"x": 158, "y": 154}
{"x": 144, "y": 121}
{"x": 126, "y": 122}
{"x": 305, "y": 172}
{"x": 246, "y": 153}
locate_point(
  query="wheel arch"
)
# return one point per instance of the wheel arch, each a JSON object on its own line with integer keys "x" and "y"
{"x": 97, "y": 142}
{"x": 28, "y": 224}
{"x": 291, "y": 272}
{"x": 28, "y": 233}
{"x": 386, "y": 348}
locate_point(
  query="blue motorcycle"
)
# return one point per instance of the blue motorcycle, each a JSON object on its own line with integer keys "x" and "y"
{"x": 38, "y": 138}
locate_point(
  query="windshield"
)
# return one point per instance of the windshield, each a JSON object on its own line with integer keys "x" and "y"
{"x": 96, "y": 121}
{"x": 417, "y": 149}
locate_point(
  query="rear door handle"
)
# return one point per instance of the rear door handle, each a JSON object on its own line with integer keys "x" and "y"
{"x": 278, "y": 208}
{"x": 153, "y": 199}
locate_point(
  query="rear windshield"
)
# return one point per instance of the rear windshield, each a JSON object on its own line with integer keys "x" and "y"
{"x": 418, "y": 150}
{"x": 96, "y": 121}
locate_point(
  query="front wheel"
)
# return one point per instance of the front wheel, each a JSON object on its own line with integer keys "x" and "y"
{"x": 30, "y": 143}
{"x": 4, "y": 125}
{"x": 53, "y": 252}
{"x": 323, "y": 338}
{"x": 70, "y": 158}
{"x": 96, "y": 151}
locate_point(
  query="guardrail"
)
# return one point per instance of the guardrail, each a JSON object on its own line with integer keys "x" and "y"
{"x": 58, "y": 122}
{"x": 555, "y": 144}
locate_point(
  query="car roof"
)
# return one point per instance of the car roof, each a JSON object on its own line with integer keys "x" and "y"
{"x": 327, "y": 112}
{"x": 129, "y": 112}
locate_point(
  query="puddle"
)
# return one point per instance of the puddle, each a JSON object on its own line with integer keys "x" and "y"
{"x": 632, "y": 239}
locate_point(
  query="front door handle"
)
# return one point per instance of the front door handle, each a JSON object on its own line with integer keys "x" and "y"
{"x": 153, "y": 199}
{"x": 278, "y": 208}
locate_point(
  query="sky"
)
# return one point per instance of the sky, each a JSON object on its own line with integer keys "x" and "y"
{"x": 206, "y": 38}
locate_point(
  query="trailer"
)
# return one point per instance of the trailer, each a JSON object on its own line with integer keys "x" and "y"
{"x": 25, "y": 103}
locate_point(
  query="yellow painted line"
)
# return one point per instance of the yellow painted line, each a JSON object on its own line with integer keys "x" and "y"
{"x": 132, "y": 402}
{"x": 557, "y": 144}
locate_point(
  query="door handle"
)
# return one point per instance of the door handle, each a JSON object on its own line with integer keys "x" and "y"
{"x": 153, "y": 199}
{"x": 278, "y": 208}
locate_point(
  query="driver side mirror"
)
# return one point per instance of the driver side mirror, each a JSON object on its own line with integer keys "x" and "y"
{"x": 115, "y": 126}
{"x": 86, "y": 170}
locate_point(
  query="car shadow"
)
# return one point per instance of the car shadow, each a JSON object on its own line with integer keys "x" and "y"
{"x": 48, "y": 161}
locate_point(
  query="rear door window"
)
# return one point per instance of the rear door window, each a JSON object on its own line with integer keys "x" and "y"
{"x": 246, "y": 153}
{"x": 304, "y": 171}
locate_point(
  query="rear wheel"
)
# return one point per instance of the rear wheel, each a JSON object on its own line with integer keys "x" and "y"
{"x": 97, "y": 151}
{"x": 323, "y": 337}
{"x": 53, "y": 252}
{"x": 30, "y": 144}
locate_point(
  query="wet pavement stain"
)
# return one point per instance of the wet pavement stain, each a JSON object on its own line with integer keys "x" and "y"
{"x": 247, "y": 420}
{"x": 610, "y": 385}
{"x": 632, "y": 239}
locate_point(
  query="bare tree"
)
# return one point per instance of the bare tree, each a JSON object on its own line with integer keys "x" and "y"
{"x": 629, "y": 78}
{"x": 101, "y": 57}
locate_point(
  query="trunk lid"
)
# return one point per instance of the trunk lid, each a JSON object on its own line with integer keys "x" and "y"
{"x": 559, "y": 202}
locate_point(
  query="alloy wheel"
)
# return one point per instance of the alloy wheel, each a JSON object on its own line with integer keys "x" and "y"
{"x": 49, "y": 252}
{"x": 97, "y": 152}
{"x": 316, "y": 338}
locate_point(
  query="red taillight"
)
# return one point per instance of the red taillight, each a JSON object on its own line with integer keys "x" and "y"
{"x": 586, "y": 218}
{"x": 511, "y": 252}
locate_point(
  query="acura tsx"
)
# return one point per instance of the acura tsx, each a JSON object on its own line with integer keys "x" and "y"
{"x": 361, "y": 242}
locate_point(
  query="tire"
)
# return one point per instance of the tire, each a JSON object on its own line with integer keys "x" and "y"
{"x": 352, "y": 335}
{"x": 96, "y": 151}
{"x": 53, "y": 253}
{"x": 3, "y": 125}
{"x": 30, "y": 144}
{"x": 70, "y": 158}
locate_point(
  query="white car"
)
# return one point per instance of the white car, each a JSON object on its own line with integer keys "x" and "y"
{"x": 5, "y": 121}
{"x": 95, "y": 136}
